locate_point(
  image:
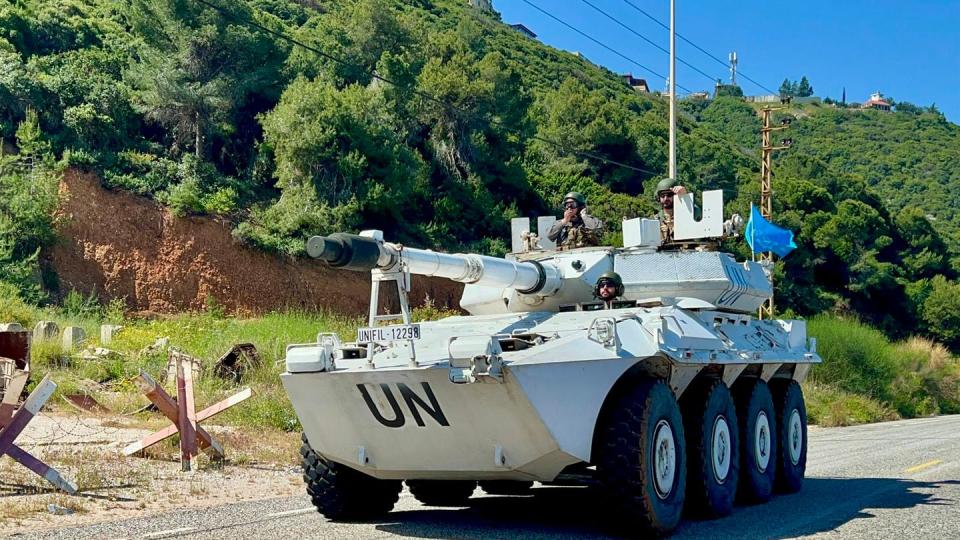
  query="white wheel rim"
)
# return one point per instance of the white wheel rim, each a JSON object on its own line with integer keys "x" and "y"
{"x": 664, "y": 459}
{"x": 761, "y": 441}
{"x": 721, "y": 449}
{"x": 795, "y": 433}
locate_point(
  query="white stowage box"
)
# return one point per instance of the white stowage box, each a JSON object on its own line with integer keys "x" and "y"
{"x": 639, "y": 232}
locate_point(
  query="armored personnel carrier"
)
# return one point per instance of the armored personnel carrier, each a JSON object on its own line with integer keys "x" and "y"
{"x": 672, "y": 396}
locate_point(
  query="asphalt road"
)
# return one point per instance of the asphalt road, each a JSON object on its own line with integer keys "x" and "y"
{"x": 892, "y": 480}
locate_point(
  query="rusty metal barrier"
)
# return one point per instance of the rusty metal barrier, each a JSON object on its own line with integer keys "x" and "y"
{"x": 13, "y": 421}
{"x": 182, "y": 412}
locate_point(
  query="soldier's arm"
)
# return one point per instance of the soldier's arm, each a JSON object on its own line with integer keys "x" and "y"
{"x": 554, "y": 231}
{"x": 591, "y": 223}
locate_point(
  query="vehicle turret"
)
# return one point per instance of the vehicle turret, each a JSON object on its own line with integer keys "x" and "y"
{"x": 543, "y": 278}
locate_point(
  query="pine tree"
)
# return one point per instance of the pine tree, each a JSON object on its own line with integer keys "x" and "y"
{"x": 786, "y": 88}
{"x": 803, "y": 88}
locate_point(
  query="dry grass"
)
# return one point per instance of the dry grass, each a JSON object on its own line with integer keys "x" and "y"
{"x": 267, "y": 447}
{"x": 937, "y": 355}
{"x": 17, "y": 511}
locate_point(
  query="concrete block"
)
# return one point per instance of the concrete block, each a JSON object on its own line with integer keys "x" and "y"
{"x": 45, "y": 330}
{"x": 72, "y": 337}
{"x": 108, "y": 331}
{"x": 11, "y": 327}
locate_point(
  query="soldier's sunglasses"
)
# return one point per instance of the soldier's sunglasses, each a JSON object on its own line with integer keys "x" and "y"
{"x": 570, "y": 206}
{"x": 607, "y": 283}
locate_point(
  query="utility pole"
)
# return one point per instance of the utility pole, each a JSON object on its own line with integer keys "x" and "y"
{"x": 766, "y": 193}
{"x": 673, "y": 91}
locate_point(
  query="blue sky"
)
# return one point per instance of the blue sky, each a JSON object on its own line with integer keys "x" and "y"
{"x": 909, "y": 50}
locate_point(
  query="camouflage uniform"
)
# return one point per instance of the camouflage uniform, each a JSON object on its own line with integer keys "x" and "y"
{"x": 666, "y": 218}
{"x": 585, "y": 230}
{"x": 666, "y": 227}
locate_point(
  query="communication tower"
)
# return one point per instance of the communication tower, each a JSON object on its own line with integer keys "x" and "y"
{"x": 733, "y": 67}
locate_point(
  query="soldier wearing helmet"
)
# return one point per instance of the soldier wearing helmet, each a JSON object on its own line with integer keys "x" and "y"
{"x": 666, "y": 189}
{"x": 609, "y": 287}
{"x": 577, "y": 228}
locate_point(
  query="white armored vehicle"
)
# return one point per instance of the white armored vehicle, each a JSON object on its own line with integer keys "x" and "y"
{"x": 671, "y": 396}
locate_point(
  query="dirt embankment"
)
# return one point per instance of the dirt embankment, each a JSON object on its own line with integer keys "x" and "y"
{"x": 121, "y": 245}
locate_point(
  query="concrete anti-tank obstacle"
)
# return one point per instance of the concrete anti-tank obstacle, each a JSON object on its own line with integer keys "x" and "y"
{"x": 108, "y": 332}
{"x": 45, "y": 331}
{"x": 72, "y": 337}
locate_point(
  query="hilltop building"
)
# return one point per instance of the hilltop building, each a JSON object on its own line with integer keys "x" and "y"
{"x": 640, "y": 85}
{"x": 768, "y": 98}
{"x": 876, "y": 101}
{"x": 524, "y": 30}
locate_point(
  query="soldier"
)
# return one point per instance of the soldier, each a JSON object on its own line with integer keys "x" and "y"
{"x": 609, "y": 287}
{"x": 666, "y": 189}
{"x": 577, "y": 228}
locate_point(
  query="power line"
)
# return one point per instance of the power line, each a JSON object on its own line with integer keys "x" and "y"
{"x": 641, "y": 36}
{"x": 373, "y": 74}
{"x": 699, "y": 48}
{"x": 600, "y": 43}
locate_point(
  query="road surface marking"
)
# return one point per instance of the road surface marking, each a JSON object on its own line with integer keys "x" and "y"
{"x": 169, "y": 531}
{"x": 922, "y": 466}
{"x": 292, "y": 512}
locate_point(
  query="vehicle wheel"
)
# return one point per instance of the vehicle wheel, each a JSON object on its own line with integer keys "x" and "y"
{"x": 641, "y": 459}
{"x": 758, "y": 442}
{"x": 791, "y": 436}
{"x": 710, "y": 423}
{"x": 342, "y": 493}
{"x": 506, "y": 487}
{"x": 442, "y": 492}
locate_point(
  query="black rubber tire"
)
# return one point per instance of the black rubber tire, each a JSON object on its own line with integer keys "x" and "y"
{"x": 788, "y": 399}
{"x": 442, "y": 492}
{"x": 625, "y": 460}
{"x": 506, "y": 487}
{"x": 342, "y": 493}
{"x": 753, "y": 403}
{"x": 707, "y": 407}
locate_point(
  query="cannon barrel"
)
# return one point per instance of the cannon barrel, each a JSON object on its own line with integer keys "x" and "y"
{"x": 363, "y": 253}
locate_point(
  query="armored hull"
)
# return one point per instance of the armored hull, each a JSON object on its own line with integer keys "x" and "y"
{"x": 539, "y": 382}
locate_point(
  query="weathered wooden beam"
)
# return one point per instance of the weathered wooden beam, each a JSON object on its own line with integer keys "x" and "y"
{"x": 12, "y": 395}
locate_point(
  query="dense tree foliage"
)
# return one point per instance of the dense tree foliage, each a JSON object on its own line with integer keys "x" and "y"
{"x": 801, "y": 88}
{"x": 437, "y": 123}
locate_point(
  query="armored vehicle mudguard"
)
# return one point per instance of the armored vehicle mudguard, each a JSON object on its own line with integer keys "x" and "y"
{"x": 673, "y": 393}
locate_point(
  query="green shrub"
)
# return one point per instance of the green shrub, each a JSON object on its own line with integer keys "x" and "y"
{"x": 856, "y": 357}
{"x": 829, "y": 406}
{"x": 76, "y": 305}
{"x": 13, "y": 308}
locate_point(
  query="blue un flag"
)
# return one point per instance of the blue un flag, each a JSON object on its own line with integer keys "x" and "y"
{"x": 763, "y": 236}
